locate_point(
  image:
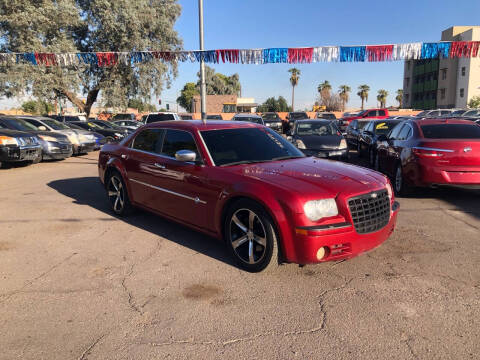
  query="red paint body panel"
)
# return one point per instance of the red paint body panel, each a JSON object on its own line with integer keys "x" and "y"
{"x": 367, "y": 115}
{"x": 281, "y": 187}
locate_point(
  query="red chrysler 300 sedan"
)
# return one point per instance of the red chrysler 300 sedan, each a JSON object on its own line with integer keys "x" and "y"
{"x": 430, "y": 152}
{"x": 245, "y": 184}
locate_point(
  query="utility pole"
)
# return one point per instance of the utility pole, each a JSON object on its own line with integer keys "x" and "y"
{"x": 203, "y": 88}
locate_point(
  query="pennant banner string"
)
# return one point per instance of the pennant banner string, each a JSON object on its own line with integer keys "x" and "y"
{"x": 366, "y": 53}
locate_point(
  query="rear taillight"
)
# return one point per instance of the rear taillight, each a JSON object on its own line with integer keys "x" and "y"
{"x": 427, "y": 152}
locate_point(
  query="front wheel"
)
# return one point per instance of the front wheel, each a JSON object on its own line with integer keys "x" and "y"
{"x": 250, "y": 236}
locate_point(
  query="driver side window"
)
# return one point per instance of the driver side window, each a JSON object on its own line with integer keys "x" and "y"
{"x": 176, "y": 140}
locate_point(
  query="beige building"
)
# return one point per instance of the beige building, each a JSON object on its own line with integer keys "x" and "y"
{"x": 443, "y": 83}
{"x": 217, "y": 104}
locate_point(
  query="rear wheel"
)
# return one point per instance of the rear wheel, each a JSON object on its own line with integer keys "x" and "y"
{"x": 117, "y": 194}
{"x": 250, "y": 236}
{"x": 400, "y": 186}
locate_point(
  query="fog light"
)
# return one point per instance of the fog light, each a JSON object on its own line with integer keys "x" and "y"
{"x": 321, "y": 253}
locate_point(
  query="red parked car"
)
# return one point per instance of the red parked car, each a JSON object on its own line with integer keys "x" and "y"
{"x": 365, "y": 114}
{"x": 245, "y": 184}
{"x": 430, "y": 152}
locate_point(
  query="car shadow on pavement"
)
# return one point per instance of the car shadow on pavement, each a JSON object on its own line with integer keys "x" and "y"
{"x": 89, "y": 191}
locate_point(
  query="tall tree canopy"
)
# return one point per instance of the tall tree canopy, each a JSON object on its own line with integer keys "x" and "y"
{"x": 63, "y": 26}
{"x": 294, "y": 78}
{"x": 219, "y": 84}
{"x": 186, "y": 96}
{"x": 276, "y": 105}
{"x": 363, "y": 93}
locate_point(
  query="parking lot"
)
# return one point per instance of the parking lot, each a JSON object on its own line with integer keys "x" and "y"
{"x": 79, "y": 283}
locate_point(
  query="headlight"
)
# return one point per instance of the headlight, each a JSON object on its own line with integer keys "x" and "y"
{"x": 343, "y": 144}
{"x": 389, "y": 190}
{"x": 7, "y": 140}
{"x": 118, "y": 135}
{"x": 300, "y": 144}
{"x": 317, "y": 209}
{"x": 268, "y": 124}
{"x": 47, "y": 138}
{"x": 73, "y": 138}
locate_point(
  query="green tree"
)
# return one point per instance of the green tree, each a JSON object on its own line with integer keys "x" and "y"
{"x": 220, "y": 84}
{"x": 324, "y": 87}
{"x": 186, "y": 96}
{"x": 37, "y": 107}
{"x": 274, "y": 105}
{"x": 363, "y": 93}
{"x": 382, "y": 97}
{"x": 141, "y": 106}
{"x": 474, "y": 102}
{"x": 344, "y": 93}
{"x": 294, "y": 78}
{"x": 83, "y": 26}
{"x": 399, "y": 97}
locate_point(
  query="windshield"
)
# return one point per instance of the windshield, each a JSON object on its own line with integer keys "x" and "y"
{"x": 328, "y": 116}
{"x": 361, "y": 124}
{"x": 122, "y": 117}
{"x": 451, "y": 131}
{"x": 316, "y": 128}
{"x": 360, "y": 113}
{"x": 270, "y": 117}
{"x": 19, "y": 124}
{"x": 247, "y": 145}
{"x": 296, "y": 116}
{"x": 55, "y": 125}
{"x": 458, "y": 112}
{"x": 423, "y": 113}
{"x": 256, "y": 120}
{"x": 96, "y": 126}
{"x": 73, "y": 126}
{"x": 384, "y": 127}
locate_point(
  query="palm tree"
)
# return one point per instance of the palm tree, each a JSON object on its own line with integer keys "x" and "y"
{"x": 363, "y": 93}
{"x": 294, "y": 81}
{"x": 343, "y": 92}
{"x": 399, "y": 97}
{"x": 325, "y": 86}
{"x": 382, "y": 97}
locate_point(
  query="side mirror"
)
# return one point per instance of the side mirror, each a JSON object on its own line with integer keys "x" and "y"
{"x": 42, "y": 128}
{"x": 185, "y": 156}
{"x": 289, "y": 138}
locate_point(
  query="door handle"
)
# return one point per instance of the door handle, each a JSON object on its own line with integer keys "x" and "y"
{"x": 160, "y": 166}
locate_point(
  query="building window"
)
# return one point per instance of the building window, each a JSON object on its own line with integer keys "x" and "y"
{"x": 444, "y": 74}
{"x": 442, "y": 93}
{"x": 463, "y": 71}
{"x": 407, "y": 82}
{"x": 462, "y": 92}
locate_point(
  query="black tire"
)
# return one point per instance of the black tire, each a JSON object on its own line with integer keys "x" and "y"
{"x": 400, "y": 187}
{"x": 254, "y": 248}
{"x": 371, "y": 157}
{"x": 37, "y": 159}
{"x": 117, "y": 194}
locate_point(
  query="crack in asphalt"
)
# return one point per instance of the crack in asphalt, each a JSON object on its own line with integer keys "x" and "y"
{"x": 461, "y": 220}
{"x": 84, "y": 355}
{"x": 8, "y": 295}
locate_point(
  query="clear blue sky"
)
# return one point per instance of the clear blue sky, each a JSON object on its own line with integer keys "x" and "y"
{"x": 282, "y": 23}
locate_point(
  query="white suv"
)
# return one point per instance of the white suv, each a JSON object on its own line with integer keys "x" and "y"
{"x": 161, "y": 116}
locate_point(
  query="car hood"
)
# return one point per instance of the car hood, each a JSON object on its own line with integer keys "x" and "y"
{"x": 318, "y": 177}
{"x": 320, "y": 142}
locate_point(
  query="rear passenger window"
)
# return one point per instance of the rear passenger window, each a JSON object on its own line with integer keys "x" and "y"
{"x": 396, "y": 130}
{"x": 149, "y": 140}
{"x": 176, "y": 140}
{"x": 372, "y": 113}
{"x": 381, "y": 112}
{"x": 405, "y": 133}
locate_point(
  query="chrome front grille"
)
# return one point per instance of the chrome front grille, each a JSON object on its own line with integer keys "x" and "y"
{"x": 370, "y": 212}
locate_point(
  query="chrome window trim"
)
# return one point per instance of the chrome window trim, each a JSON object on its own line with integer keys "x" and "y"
{"x": 196, "y": 199}
{"x": 206, "y": 147}
{"x": 432, "y": 149}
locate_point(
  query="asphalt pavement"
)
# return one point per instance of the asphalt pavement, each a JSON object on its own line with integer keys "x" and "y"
{"x": 78, "y": 283}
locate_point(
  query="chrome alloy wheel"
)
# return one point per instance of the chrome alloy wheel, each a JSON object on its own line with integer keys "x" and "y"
{"x": 248, "y": 236}
{"x": 116, "y": 194}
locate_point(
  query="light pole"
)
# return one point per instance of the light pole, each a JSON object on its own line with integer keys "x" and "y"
{"x": 203, "y": 88}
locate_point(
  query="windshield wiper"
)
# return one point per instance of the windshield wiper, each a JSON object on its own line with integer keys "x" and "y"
{"x": 287, "y": 157}
{"x": 245, "y": 162}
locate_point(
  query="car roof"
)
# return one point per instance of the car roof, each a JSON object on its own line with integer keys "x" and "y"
{"x": 199, "y": 125}
{"x": 442, "y": 121}
{"x": 247, "y": 115}
{"x": 315, "y": 120}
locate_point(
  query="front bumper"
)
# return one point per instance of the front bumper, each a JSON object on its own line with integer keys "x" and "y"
{"x": 19, "y": 153}
{"x": 330, "y": 153}
{"x": 339, "y": 242}
{"x": 56, "y": 150}
{"x": 84, "y": 148}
